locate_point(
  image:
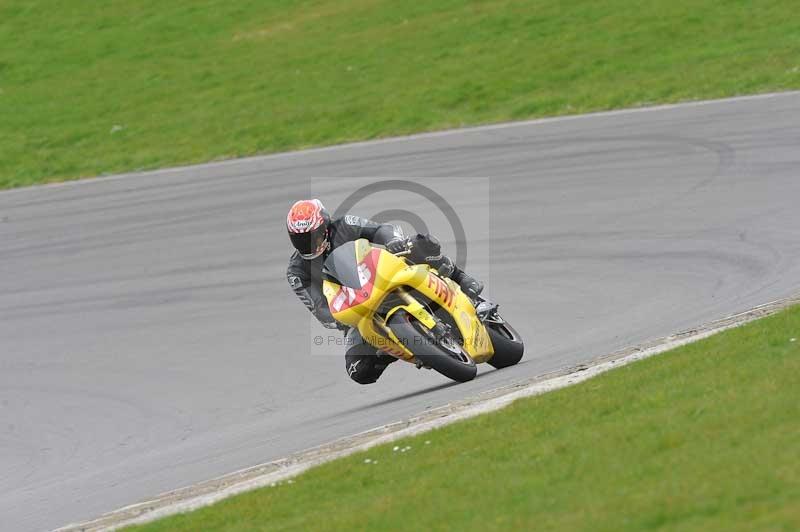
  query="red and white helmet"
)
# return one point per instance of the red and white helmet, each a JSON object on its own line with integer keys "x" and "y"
{"x": 307, "y": 223}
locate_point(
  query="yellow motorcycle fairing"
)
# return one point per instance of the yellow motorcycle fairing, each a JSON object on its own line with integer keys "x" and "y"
{"x": 381, "y": 273}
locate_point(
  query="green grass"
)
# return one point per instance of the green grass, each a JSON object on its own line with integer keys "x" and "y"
{"x": 706, "y": 437}
{"x": 95, "y": 88}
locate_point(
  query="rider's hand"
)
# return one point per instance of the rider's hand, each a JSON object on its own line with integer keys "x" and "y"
{"x": 398, "y": 245}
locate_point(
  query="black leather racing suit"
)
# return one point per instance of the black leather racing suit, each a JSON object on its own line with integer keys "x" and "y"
{"x": 364, "y": 364}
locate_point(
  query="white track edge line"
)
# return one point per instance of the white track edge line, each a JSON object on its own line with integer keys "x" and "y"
{"x": 287, "y": 468}
{"x": 401, "y": 138}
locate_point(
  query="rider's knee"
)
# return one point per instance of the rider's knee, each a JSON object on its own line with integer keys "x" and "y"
{"x": 361, "y": 366}
{"x": 364, "y": 377}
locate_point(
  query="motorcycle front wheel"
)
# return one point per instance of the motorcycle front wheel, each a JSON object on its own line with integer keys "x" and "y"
{"x": 507, "y": 343}
{"x": 444, "y": 354}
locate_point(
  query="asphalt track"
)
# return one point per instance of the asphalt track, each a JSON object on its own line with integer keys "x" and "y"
{"x": 148, "y": 338}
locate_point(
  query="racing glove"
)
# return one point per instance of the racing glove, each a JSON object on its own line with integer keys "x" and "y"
{"x": 398, "y": 245}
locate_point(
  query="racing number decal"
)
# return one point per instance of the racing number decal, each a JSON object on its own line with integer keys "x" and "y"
{"x": 348, "y": 297}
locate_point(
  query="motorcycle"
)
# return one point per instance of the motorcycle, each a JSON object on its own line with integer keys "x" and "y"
{"x": 415, "y": 314}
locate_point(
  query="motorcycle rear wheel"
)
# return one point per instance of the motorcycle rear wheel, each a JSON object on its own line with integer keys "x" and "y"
{"x": 444, "y": 355}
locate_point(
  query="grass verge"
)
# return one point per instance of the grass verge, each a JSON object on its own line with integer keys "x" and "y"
{"x": 704, "y": 437}
{"x": 139, "y": 84}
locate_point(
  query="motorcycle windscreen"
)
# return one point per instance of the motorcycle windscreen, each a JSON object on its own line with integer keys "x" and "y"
{"x": 342, "y": 266}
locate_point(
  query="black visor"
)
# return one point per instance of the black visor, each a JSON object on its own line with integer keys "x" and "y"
{"x": 308, "y": 244}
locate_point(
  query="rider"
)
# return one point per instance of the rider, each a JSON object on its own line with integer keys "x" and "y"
{"x": 314, "y": 235}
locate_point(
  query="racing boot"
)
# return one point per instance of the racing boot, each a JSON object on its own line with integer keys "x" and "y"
{"x": 427, "y": 249}
{"x": 469, "y": 285}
